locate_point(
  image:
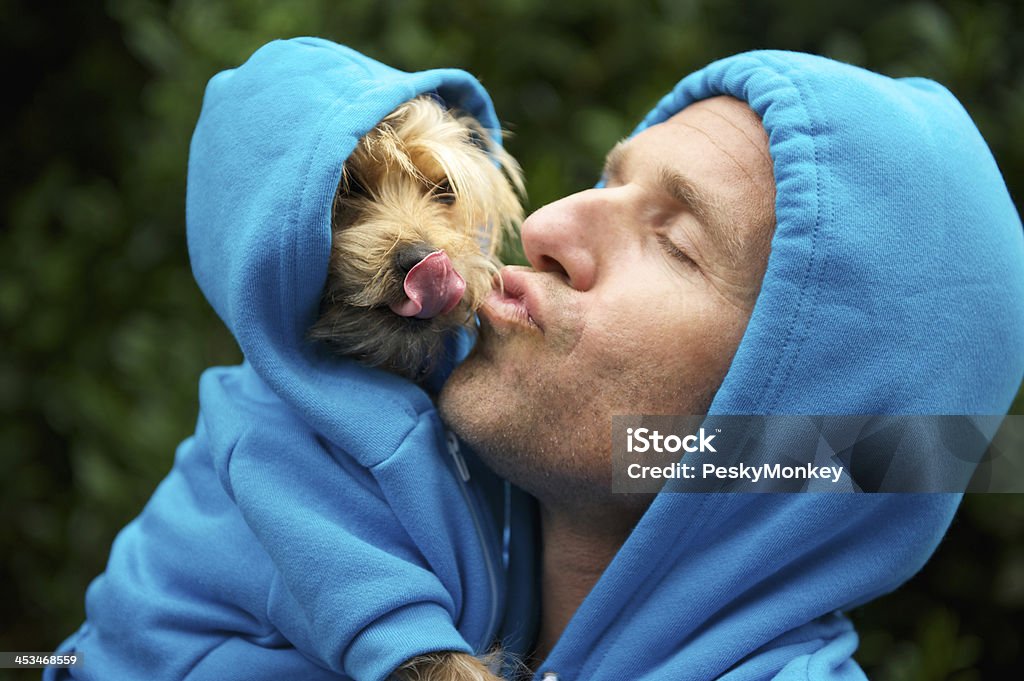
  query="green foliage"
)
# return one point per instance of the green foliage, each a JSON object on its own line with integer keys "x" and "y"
{"x": 105, "y": 333}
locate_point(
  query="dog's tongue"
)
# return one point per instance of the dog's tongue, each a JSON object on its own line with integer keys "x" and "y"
{"x": 433, "y": 287}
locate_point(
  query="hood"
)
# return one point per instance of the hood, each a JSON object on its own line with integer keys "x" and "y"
{"x": 895, "y": 285}
{"x": 264, "y": 165}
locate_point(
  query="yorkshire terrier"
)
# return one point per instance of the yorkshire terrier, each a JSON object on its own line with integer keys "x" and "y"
{"x": 424, "y": 203}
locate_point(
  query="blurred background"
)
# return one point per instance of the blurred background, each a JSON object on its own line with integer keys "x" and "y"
{"x": 104, "y": 332}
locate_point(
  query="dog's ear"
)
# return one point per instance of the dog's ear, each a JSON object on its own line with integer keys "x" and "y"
{"x": 508, "y": 204}
{"x": 477, "y": 135}
{"x": 483, "y": 139}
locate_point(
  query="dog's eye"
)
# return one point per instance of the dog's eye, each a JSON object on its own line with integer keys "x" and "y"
{"x": 442, "y": 193}
{"x": 353, "y": 186}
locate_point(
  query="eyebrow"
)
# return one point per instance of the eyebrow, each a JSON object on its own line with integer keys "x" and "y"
{"x": 613, "y": 161}
{"x": 704, "y": 206}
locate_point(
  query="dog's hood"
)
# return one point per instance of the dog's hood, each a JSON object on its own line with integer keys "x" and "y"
{"x": 895, "y": 285}
{"x": 264, "y": 165}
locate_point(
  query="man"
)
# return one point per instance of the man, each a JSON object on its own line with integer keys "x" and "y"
{"x": 894, "y": 286}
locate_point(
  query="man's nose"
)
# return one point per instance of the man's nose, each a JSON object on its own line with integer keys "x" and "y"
{"x": 566, "y": 236}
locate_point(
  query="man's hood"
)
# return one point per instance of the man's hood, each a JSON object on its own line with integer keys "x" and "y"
{"x": 895, "y": 285}
{"x": 264, "y": 165}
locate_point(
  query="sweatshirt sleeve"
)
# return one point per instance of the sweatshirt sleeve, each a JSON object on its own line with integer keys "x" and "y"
{"x": 350, "y": 589}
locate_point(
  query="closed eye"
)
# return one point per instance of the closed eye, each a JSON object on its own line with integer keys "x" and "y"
{"x": 675, "y": 251}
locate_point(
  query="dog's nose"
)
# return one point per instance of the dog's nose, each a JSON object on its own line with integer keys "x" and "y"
{"x": 410, "y": 255}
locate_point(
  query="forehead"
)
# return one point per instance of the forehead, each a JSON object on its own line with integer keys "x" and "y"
{"x": 717, "y": 142}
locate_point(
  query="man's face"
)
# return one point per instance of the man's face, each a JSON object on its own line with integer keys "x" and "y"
{"x": 637, "y": 298}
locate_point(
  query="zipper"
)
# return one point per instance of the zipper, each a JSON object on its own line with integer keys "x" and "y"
{"x": 463, "y": 478}
{"x": 460, "y": 462}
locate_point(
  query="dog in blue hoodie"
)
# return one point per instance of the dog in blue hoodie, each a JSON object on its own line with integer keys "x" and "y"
{"x": 419, "y": 196}
{"x": 320, "y": 523}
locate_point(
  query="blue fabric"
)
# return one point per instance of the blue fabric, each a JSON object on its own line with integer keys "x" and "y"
{"x": 895, "y": 285}
{"x": 314, "y": 526}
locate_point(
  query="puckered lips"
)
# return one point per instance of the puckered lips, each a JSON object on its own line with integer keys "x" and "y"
{"x": 512, "y": 301}
{"x": 432, "y": 287}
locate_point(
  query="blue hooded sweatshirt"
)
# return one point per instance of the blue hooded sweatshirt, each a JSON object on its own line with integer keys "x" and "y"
{"x": 319, "y": 524}
{"x": 895, "y": 285}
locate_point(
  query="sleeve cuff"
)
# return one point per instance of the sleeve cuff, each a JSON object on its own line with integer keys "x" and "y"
{"x": 401, "y": 634}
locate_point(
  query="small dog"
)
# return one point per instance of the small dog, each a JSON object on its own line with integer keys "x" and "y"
{"x": 425, "y": 201}
{"x": 423, "y": 205}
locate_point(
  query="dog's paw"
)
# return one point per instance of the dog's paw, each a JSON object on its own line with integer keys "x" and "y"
{"x": 446, "y": 666}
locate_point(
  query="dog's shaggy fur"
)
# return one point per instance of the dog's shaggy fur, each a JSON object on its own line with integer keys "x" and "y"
{"x": 425, "y": 179}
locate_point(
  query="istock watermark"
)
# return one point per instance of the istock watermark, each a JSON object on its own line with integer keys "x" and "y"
{"x": 643, "y": 440}
{"x": 816, "y": 453}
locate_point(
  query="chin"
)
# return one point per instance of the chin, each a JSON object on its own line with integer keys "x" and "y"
{"x": 523, "y": 432}
{"x": 467, "y": 402}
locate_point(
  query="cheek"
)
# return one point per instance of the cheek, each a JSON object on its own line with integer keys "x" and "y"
{"x": 667, "y": 359}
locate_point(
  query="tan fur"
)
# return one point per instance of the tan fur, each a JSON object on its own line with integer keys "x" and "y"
{"x": 449, "y": 666}
{"x": 424, "y": 175}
